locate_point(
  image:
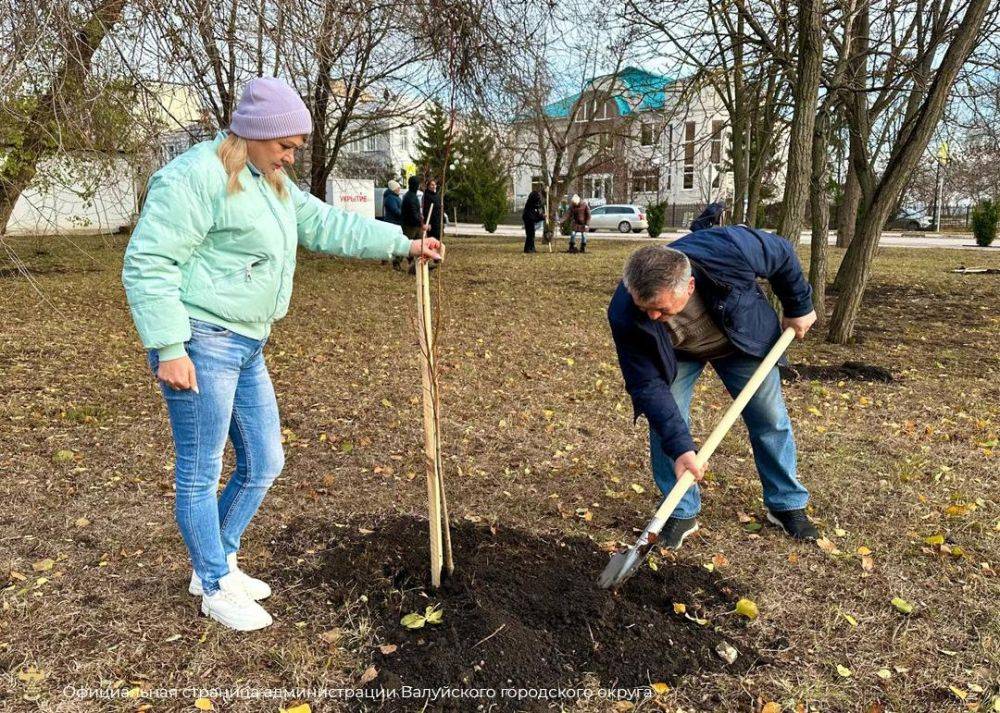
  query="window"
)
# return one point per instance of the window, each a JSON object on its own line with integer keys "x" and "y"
{"x": 597, "y": 187}
{"x": 598, "y": 211}
{"x": 717, "y": 141}
{"x": 646, "y": 135}
{"x": 645, "y": 182}
{"x": 689, "y": 155}
{"x": 601, "y": 113}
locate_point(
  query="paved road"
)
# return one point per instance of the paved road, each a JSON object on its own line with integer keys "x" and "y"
{"x": 889, "y": 239}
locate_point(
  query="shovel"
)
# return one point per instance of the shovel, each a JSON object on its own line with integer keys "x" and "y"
{"x": 624, "y": 564}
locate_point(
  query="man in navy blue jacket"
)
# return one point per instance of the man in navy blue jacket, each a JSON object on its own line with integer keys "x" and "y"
{"x": 696, "y": 302}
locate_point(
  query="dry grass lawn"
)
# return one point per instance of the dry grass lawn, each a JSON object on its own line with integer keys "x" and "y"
{"x": 538, "y": 436}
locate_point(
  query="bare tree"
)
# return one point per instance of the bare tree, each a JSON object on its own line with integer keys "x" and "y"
{"x": 717, "y": 48}
{"x": 880, "y": 195}
{"x": 806, "y": 86}
{"x": 51, "y": 79}
{"x": 358, "y": 69}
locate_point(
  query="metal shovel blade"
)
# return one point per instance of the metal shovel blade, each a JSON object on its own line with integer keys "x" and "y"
{"x": 622, "y": 566}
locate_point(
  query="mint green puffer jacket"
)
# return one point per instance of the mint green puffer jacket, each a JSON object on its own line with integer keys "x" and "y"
{"x": 198, "y": 251}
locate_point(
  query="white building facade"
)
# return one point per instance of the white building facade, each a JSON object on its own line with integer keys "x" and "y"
{"x": 640, "y": 138}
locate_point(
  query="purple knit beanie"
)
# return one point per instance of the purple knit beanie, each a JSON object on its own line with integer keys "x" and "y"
{"x": 270, "y": 109}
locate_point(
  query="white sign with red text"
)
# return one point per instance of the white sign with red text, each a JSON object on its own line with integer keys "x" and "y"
{"x": 356, "y": 195}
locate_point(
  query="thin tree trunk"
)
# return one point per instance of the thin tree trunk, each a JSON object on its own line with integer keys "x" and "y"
{"x": 819, "y": 202}
{"x": 810, "y": 62}
{"x": 847, "y": 215}
{"x": 902, "y": 161}
{"x": 739, "y": 125}
{"x": 59, "y": 104}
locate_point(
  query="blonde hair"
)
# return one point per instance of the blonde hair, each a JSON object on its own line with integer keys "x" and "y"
{"x": 233, "y": 154}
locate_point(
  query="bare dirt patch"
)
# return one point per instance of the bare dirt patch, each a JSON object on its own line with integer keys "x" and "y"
{"x": 523, "y": 610}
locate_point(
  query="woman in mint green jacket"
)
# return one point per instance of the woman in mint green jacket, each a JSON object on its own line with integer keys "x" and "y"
{"x": 207, "y": 271}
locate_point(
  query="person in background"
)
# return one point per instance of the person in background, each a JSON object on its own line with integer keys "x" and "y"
{"x": 410, "y": 217}
{"x": 432, "y": 199}
{"x": 579, "y": 217}
{"x": 392, "y": 205}
{"x": 207, "y": 272}
{"x": 533, "y": 213}
{"x": 392, "y": 208}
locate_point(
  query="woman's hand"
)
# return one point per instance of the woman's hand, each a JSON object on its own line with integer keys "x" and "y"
{"x": 178, "y": 374}
{"x": 428, "y": 249}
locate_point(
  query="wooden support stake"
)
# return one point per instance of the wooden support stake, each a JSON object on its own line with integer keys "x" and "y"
{"x": 449, "y": 563}
{"x": 430, "y": 426}
{"x": 437, "y": 508}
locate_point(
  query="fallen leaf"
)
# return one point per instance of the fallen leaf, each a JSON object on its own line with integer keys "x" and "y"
{"x": 850, "y": 619}
{"x": 413, "y": 621}
{"x": 63, "y": 456}
{"x": 959, "y": 693}
{"x": 709, "y": 566}
{"x": 301, "y": 708}
{"x": 387, "y": 649}
{"x": 172, "y": 637}
{"x": 843, "y": 671}
{"x": 747, "y": 608}
{"x": 81, "y": 522}
{"x": 369, "y": 675}
{"x": 719, "y": 560}
{"x": 934, "y": 540}
{"x": 863, "y": 551}
{"x": 839, "y": 532}
{"x": 434, "y": 614}
{"x": 902, "y": 605}
{"x": 204, "y": 704}
{"x": 637, "y": 488}
{"x": 726, "y": 652}
{"x": 332, "y": 636}
{"x": 867, "y": 563}
{"x": 827, "y": 546}
{"x": 659, "y": 688}
{"x": 884, "y": 673}
{"x": 43, "y": 565}
{"x": 771, "y": 707}
{"x": 679, "y": 608}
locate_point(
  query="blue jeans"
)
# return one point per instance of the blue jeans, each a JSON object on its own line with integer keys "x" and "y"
{"x": 770, "y": 435}
{"x": 236, "y": 401}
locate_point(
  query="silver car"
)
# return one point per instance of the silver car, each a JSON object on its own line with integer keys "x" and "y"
{"x": 623, "y": 218}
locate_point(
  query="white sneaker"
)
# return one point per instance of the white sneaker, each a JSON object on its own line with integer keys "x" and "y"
{"x": 230, "y": 606}
{"x": 256, "y": 589}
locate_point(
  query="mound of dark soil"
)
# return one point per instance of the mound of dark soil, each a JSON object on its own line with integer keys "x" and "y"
{"x": 848, "y": 371}
{"x": 525, "y": 611}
